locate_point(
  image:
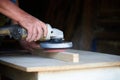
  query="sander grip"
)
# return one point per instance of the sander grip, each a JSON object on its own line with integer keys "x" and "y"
{"x": 15, "y": 31}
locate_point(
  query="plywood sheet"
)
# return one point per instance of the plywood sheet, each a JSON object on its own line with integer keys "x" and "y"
{"x": 32, "y": 63}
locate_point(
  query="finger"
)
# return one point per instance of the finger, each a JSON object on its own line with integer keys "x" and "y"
{"x": 28, "y": 38}
{"x": 45, "y": 30}
{"x": 34, "y": 34}
{"x": 40, "y": 33}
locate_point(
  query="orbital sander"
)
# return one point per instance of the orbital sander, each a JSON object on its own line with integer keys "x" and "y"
{"x": 54, "y": 39}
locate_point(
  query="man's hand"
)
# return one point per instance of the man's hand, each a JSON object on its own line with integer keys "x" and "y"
{"x": 30, "y": 46}
{"x": 35, "y": 28}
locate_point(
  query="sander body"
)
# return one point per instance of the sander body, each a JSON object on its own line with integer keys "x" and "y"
{"x": 53, "y": 40}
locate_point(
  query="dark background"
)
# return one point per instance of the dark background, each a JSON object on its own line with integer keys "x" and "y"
{"x": 92, "y": 25}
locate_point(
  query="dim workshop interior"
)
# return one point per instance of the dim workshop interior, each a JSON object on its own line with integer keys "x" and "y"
{"x": 93, "y": 27}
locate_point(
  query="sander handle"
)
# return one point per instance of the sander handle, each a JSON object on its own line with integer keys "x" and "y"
{"x": 15, "y": 31}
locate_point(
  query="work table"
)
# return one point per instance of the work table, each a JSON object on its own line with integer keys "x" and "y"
{"x": 91, "y": 66}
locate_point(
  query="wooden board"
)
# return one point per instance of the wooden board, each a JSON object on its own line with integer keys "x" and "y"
{"x": 64, "y": 56}
{"x": 30, "y": 63}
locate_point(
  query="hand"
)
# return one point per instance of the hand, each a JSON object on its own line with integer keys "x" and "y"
{"x": 30, "y": 46}
{"x": 35, "y": 28}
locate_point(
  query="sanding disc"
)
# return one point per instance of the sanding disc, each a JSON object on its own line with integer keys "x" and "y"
{"x": 48, "y": 45}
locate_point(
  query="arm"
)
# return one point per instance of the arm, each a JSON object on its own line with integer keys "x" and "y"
{"x": 13, "y": 21}
{"x": 29, "y": 46}
{"x": 36, "y": 28}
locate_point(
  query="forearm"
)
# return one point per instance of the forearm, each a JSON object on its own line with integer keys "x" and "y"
{"x": 11, "y": 10}
{"x": 35, "y": 28}
{"x": 13, "y": 21}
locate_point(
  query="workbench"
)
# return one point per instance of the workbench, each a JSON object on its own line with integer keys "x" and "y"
{"x": 91, "y": 66}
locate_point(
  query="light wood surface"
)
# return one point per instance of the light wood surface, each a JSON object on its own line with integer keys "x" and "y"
{"x": 64, "y": 56}
{"x": 30, "y": 63}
